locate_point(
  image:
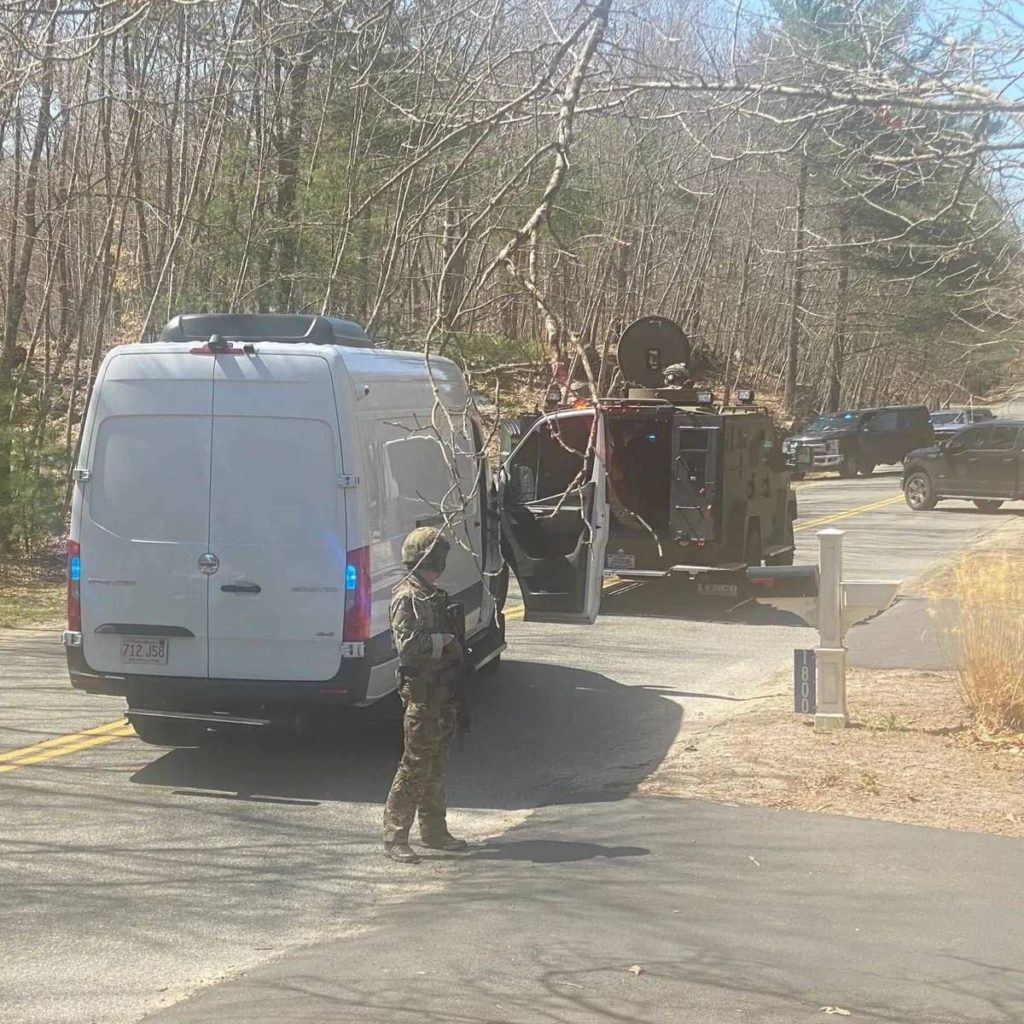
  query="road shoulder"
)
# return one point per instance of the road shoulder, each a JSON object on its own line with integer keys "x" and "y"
{"x": 912, "y": 753}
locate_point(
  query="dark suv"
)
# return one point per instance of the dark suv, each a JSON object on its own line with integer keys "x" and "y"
{"x": 856, "y": 441}
{"x": 982, "y": 463}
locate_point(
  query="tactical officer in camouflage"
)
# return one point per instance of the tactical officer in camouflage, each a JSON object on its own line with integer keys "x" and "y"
{"x": 429, "y": 662}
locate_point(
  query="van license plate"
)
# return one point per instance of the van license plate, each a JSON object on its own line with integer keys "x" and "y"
{"x": 620, "y": 560}
{"x": 143, "y": 651}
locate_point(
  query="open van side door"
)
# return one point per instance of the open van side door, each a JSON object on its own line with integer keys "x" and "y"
{"x": 554, "y": 516}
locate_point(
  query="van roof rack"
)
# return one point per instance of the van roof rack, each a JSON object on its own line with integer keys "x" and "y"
{"x": 283, "y": 327}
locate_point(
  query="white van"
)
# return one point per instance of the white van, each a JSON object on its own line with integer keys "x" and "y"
{"x": 241, "y": 497}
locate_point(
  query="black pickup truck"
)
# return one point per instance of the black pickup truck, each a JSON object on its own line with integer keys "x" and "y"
{"x": 983, "y": 464}
{"x": 857, "y": 440}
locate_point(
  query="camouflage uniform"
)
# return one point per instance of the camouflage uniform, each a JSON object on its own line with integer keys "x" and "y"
{"x": 427, "y": 669}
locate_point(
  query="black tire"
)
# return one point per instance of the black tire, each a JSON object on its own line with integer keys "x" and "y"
{"x": 796, "y": 475}
{"x": 848, "y": 467}
{"x": 987, "y": 504}
{"x": 864, "y": 467}
{"x": 167, "y": 732}
{"x": 752, "y": 550}
{"x": 919, "y": 491}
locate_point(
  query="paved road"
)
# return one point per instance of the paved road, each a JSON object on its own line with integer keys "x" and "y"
{"x": 135, "y": 876}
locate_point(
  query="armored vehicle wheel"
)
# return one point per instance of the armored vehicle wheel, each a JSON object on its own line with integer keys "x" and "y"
{"x": 865, "y": 468}
{"x": 167, "y": 733}
{"x": 848, "y": 467}
{"x": 920, "y": 491}
{"x": 987, "y": 505}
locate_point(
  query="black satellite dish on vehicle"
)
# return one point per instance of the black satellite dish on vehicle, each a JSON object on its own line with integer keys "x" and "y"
{"x": 648, "y": 347}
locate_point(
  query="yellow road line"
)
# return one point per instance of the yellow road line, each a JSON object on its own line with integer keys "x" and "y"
{"x": 60, "y": 746}
{"x": 835, "y": 517}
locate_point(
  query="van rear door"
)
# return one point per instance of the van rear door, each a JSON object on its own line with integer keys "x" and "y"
{"x": 277, "y": 520}
{"x": 144, "y": 519}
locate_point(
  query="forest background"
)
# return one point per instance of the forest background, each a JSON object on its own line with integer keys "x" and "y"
{"x": 824, "y": 193}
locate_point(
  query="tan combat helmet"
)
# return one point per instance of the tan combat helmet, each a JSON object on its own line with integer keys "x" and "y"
{"x": 425, "y": 548}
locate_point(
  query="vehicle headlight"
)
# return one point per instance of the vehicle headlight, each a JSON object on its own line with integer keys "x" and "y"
{"x": 832, "y": 447}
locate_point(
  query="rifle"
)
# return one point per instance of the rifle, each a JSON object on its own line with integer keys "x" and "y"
{"x": 455, "y": 615}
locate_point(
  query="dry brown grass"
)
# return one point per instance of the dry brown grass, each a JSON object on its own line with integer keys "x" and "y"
{"x": 990, "y": 634}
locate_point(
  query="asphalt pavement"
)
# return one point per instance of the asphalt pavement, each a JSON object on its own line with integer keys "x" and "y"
{"x": 657, "y": 911}
{"x": 135, "y": 877}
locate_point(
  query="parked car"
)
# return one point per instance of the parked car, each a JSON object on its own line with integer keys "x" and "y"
{"x": 857, "y": 440}
{"x": 947, "y": 422}
{"x": 982, "y": 463}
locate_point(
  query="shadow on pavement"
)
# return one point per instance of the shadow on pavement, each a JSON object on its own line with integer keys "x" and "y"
{"x": 541, "y": 734}
{"x": 552, "y": 851}
{"x": 970, "y": 510}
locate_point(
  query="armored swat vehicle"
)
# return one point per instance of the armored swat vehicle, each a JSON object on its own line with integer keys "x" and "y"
{"x": 678, "y": 481}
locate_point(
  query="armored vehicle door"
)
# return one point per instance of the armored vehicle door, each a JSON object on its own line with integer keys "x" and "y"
{"x": 554, "y": 516}
{"x": 695, "y": 459}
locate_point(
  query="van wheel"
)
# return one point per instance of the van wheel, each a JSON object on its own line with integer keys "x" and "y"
{"x": 987, "y": 505}
{"x": 865, "y": 468}
{"x": 796, "y": 475}
{"x": 166, "y": 732}
{"x": 920, "y": 492}
{"x": 752, "y": 552}
{"x": 848, "y": 467}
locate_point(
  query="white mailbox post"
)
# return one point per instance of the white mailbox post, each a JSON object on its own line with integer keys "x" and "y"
{"x": 840, "y": 605}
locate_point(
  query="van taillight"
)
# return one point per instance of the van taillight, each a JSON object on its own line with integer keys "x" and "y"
{"x": 357, "y": 596}
{"x": 74, "y": 587}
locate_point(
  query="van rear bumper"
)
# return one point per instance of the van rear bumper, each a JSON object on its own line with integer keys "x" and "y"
{"x": 276, "y": 700}
{"x": 268, "y": 701}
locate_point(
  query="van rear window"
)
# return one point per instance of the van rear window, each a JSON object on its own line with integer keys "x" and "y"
{"x": 151, "y": 477}
{"x": 275, "y": 480}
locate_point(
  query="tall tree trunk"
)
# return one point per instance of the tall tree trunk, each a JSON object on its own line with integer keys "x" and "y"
{"x": 835, "y": 383}
{"x": 796, "y": 309}
{"x": 289, "y": 146}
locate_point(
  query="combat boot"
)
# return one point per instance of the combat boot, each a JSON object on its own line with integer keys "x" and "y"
{"x": 402, "y": 852}
{"x": 446, "y": 842}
